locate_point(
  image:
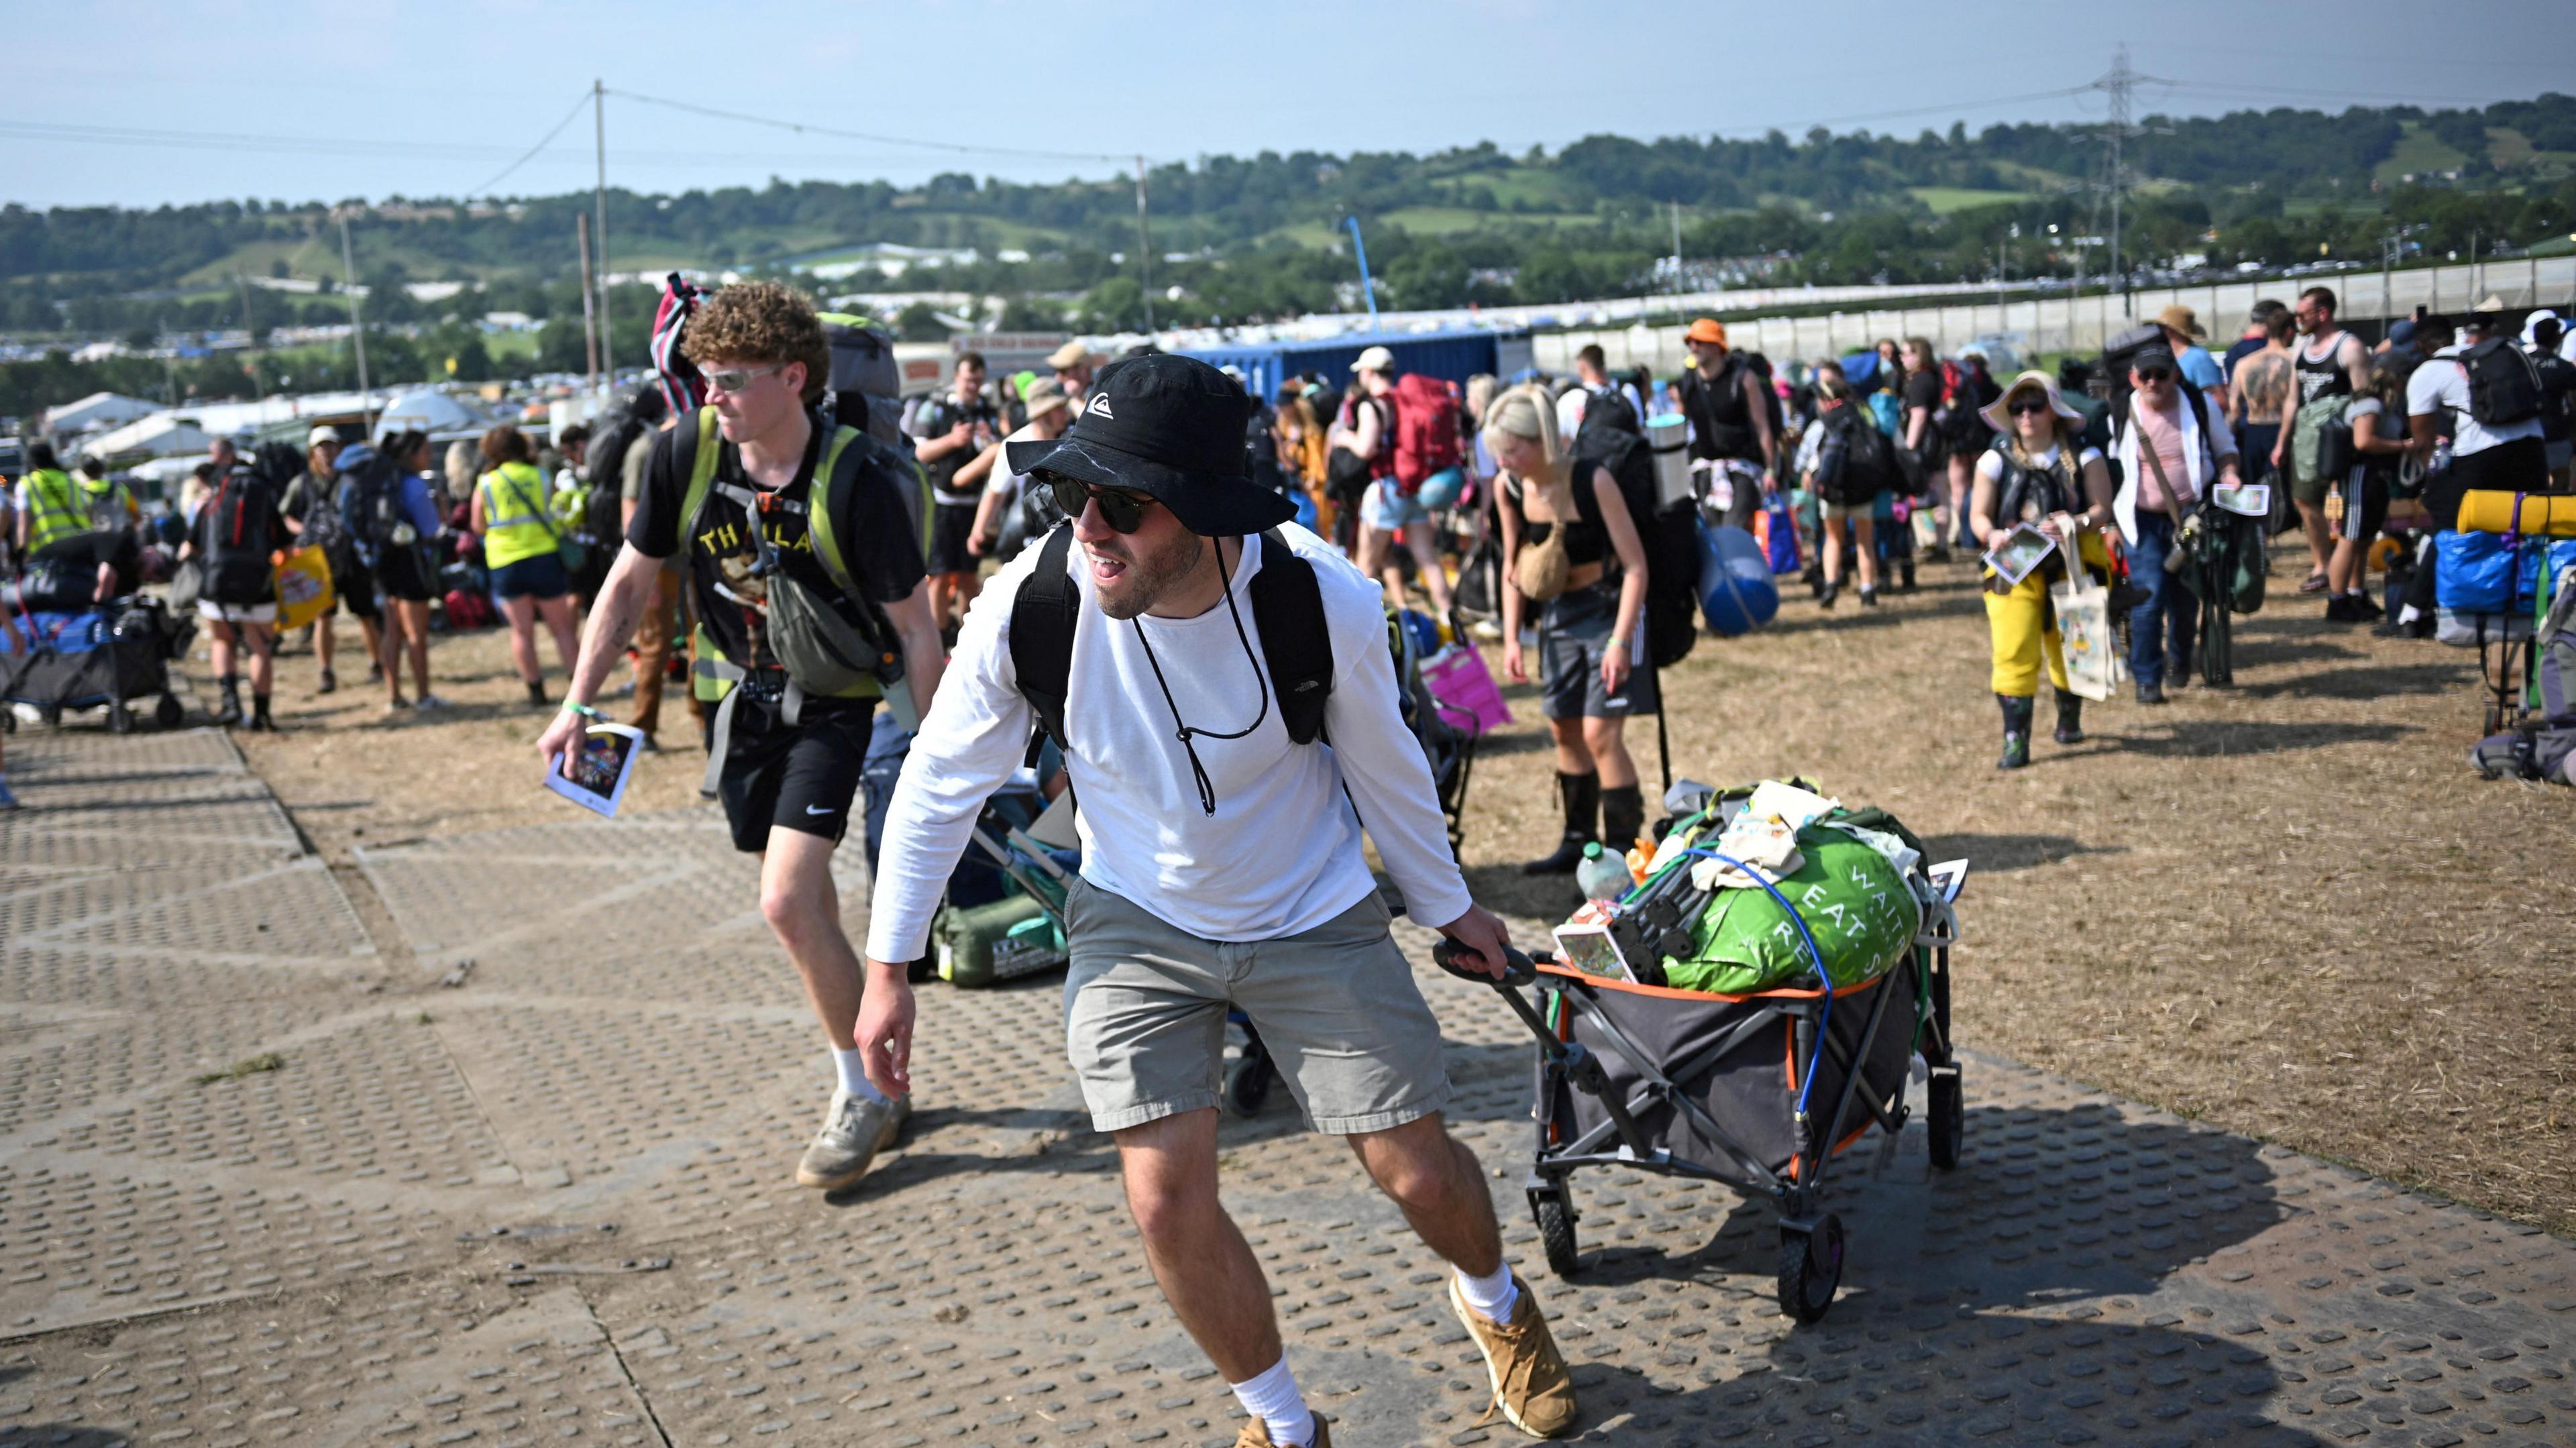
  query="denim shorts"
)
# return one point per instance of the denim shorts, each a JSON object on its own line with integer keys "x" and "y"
{"x": 1145, "y": 1005}
{"x": 542, "y": 576}
{"x": 1386, "y": 507}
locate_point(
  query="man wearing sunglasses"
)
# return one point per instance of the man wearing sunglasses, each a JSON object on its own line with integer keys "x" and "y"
{"x": 729, "y": 494}
{"x": 1222, "y": 861}
{"x": 2172, "y": 449}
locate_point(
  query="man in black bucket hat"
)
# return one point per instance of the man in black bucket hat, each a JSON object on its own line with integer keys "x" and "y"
{"x": 1222, "y": 860}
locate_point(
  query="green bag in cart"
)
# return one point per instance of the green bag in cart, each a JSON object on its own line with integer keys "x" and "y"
{"x": 1851, "y": 897}
{"x": 997, "y": 941}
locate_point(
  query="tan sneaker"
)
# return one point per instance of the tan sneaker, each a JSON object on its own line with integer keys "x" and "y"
{"x": 1256, "y": 1434}
{"x": 1531, "y": 1384}
{"x": 855, "y": 1129}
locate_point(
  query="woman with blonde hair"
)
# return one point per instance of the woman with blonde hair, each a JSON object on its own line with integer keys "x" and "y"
{"x": 1299, "y": 436}
{"x": 1570, "y": 546}
{"x": 2038, "y": 473}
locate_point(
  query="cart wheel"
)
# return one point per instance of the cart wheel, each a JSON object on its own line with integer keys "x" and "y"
{"x": 169, "y": 713}
{"x": 1946, "y": 1117}
{"x": 1556, "y": 1232}
{"x": 1247, "y": 1084}
{"x": 120, "y": 719}
{"x": 1811, "y": 1269}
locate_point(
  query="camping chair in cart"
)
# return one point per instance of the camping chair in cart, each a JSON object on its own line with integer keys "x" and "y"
{"x": 1759, "y": 1091}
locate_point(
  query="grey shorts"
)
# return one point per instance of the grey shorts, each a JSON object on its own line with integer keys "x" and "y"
{"x": 1574, "y": 635}
{"x": 1145, "y": 1005}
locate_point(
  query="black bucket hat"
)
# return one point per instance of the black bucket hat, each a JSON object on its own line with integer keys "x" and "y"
{"x": 1170, "y": 427}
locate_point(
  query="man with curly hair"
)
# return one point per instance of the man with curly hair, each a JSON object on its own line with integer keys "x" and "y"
{"x": 730, "y": 494}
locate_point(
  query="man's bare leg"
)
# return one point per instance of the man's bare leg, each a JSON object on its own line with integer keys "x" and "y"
{"x": 1436, "y": 1181}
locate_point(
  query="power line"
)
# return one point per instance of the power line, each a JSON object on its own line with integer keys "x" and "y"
{"x": 807, "y": 128}
{"x": 222, "y": 141}
{"x": 486, "y": 188}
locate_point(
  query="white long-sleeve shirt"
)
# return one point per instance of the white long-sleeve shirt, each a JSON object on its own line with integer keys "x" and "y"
{"x": 1281, "y": 854}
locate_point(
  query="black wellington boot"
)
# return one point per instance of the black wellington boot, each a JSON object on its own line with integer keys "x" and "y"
{"x": 1581, "y": 794}
{"x": 2017, "y": 713}
{"x": 2070, "y": 717}
{"x": 230, "y": 712}
{"x": 1623, "y": 818}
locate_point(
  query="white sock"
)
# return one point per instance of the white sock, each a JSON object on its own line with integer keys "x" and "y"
{"x": 2409, "y": 614}
{"x": 853, "y": 1065}
{"x": 1494, "y": 1297}
{"x": 1274, "y": 1399}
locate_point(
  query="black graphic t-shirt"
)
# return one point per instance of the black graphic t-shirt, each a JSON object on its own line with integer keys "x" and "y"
{"x": 880, "y": 542}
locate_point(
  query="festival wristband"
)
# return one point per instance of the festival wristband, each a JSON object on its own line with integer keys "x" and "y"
{"x": 584, "y": 710}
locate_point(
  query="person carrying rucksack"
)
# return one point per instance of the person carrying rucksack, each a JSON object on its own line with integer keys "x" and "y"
{"x": 2172, "y": 451}
{"x": 236, "y": 540}
{"x": 1854, "y": 464}
{"x": 2038, "y": 472}
{"x": 803, "y": 552}
{"x": 1729, "y": 412}
{"x": 1425, "y": 473}
{"x": 392, "y": 516}
{"x": 2482, "y": 392}
{"x": 311, "y": 508}
{"x": 1191, "y": 652}
{"x": 1571, "y": 543}
{"x": 2557, "y": 399}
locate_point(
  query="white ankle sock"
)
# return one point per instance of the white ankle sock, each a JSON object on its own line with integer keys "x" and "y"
{"x": 2409, "y": 614}
{"x": 1493, "y": 1296}
{"x": 853, "y": 1066}
{"x": 1274, "y": 1399}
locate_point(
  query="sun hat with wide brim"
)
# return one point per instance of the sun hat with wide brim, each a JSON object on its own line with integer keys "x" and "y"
{"x": 1999, "y": 417}
{"x": 1169, "y": 427}
{"x": 1707, "y": 330}
{"x": 2182, "y": 319}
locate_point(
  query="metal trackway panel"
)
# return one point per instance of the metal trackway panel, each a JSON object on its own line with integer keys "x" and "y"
{"x": 555, "y": 1203}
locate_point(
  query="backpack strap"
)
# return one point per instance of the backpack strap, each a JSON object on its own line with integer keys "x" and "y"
{"x": 1042, "y": 624}
{"x": 699, "y": 453}
{"x": 1288, "y": 611}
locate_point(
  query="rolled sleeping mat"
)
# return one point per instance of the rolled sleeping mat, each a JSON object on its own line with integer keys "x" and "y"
{"x": 2485, "y": 510}
{"x": 1736, "y": 591}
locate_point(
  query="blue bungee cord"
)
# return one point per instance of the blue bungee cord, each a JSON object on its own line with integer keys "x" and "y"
{"x": 1824, "y": 1018}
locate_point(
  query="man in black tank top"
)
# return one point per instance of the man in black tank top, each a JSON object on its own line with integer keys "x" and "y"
{"x": 2330, "y": 365}
{"x": 1729, "y": 416}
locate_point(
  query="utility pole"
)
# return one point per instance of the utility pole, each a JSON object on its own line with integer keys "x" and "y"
{"x": 599, "y": 141}
{"x": 357, "y": 332}
{"x": 1677, "y": 247}
{"x": 1144, "y": 249}
{"x": 589, "y": 323}
{"x": 169, "y": 368}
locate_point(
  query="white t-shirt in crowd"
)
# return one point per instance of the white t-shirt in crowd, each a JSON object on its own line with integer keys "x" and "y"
{"x": 2443, "y": 383}
{"x": 1281, "y": 854}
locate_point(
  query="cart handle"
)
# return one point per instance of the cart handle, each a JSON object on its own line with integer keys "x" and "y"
{"x": 1518, "y": 969}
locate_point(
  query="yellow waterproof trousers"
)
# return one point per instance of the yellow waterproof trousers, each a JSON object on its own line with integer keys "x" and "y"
{"x": 2024, "y": 628}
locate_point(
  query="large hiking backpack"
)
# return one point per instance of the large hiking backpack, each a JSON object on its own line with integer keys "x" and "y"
{"x": 371, "y": 485}
{"x": 1956, "y": 418}
{"x": 2504, "y": 388}
{"x": 1669, "y": 532}
{"x": 866, "y": 382}
{"x": 603, "y": 520}
{"x": 1426, "y": 429}
{"x": 1869, "y": 457}
{"x": 239, "y": 541}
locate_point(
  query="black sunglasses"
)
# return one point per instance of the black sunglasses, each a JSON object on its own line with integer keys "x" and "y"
{"x": 2155, "y": 374}
{"x": 2023, "y": 406}
{"x": 1124, "y": 512}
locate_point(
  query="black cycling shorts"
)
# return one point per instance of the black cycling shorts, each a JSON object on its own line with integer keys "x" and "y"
{"x": 799, "y": 777}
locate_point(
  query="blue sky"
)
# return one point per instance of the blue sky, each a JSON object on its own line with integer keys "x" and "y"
{"x": 376, "y": 98}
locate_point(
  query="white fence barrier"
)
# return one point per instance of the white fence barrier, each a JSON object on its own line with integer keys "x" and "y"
{"x": 2080, "y": 324}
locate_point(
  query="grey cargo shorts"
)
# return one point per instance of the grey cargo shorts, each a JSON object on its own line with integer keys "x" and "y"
{"x": 1145, "y": 1005}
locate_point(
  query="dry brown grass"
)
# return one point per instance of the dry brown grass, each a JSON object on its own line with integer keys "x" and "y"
{"x": 2289, "y": 907}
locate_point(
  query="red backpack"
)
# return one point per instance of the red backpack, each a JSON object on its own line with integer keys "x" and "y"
{"x": 1426, "y": 429}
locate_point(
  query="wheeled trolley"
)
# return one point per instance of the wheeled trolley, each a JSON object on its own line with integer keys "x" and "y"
{"x": 109, "y": 657}
{"x": 1759, "y": 1092}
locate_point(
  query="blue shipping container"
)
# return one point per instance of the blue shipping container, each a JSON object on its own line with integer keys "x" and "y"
{"x": 1451, "y": 356}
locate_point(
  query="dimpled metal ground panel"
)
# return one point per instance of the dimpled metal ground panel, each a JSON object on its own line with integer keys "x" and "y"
{"x": 552, "y": 1201}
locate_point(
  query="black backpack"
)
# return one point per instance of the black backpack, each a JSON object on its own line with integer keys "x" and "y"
{"x": 604, "y": 469}
{"x": 373, "y": 484}
{"x": 239, "y": 539}
{"x": 1669, "y": 533}
{"x": 1869, "y": 456}
{"x": 2504, "y": 388}
{"x": 1287, "y": 611}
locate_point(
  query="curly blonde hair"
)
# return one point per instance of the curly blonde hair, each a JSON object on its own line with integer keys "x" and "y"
{"x": 760, "y": 322}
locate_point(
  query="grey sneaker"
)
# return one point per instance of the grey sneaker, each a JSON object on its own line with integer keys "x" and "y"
{"x": 854, "y": 1130}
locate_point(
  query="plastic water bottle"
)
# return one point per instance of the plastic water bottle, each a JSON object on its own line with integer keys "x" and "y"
{"x": 1602, "y": 876}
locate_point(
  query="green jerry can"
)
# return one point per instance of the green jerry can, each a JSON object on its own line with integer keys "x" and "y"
{"x": 1001, "y": 940}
